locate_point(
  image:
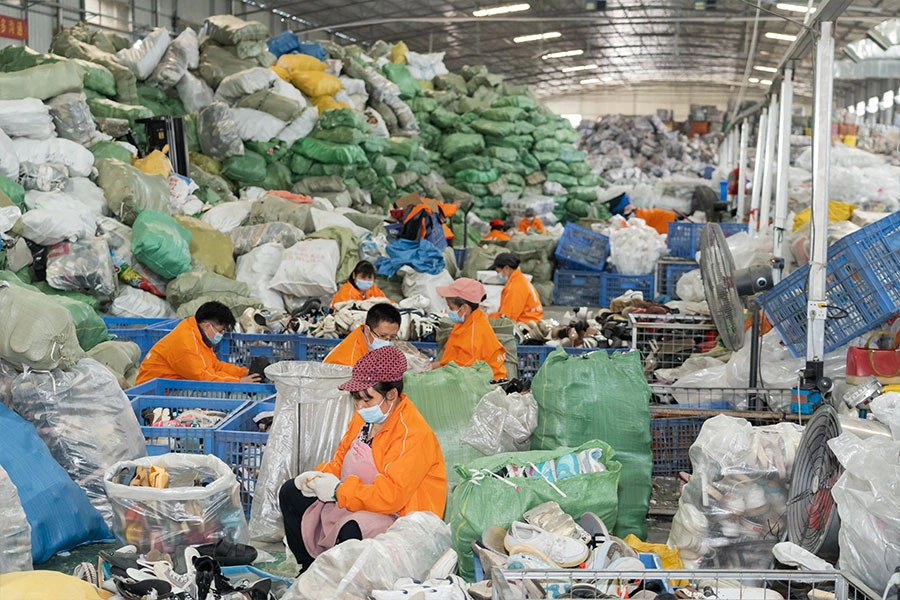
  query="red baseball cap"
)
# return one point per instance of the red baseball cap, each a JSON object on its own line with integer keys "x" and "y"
{"x": 386, "y": 364}
{"x": 496, "y": 223}
{"x": 465, "y": 288}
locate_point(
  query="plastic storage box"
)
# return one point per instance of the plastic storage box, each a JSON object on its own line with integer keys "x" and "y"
{"x": 577, "y": 288}
{"x": 684, "y": 237}
{"x": 581, "y": 249}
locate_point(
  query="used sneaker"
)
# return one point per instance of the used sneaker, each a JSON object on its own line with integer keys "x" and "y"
{"x": 550, "y": 517}
{"x": 528, "y": 539}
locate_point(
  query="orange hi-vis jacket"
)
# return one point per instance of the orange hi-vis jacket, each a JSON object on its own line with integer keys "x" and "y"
{"x": 496, "y": 236}
{"x": 533, "y": 223}
{"x": 475, "y": 340}
{"x": 350, "y": 292}
{"x": 411, "y": 472}
{"x": 519, "y": 300}
{"x": 184, "y": 355}
{"x": 657, "y": 218}
{"x": 350, "y": 350}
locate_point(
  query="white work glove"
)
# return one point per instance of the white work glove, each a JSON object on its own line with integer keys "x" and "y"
{"x": 325, "y": 486}
{"x": 301, "y": 481}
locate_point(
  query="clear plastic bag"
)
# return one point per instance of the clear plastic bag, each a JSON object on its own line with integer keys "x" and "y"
{"x": 43, "y": 177}
{"x": 634, "y": 246}
{"x": 311, "y": 416}
{"x": 9, "y": 162}
{"x": 135, "y": 303}
{"x": 182, "y": 54}
{"x": 248, "y": 237}
{"x": 86, "y": 421}
{"x": 15, "y": 532}
{"x": 256, "y": 269}
{"x": 82, "y": 266}
{"x": 76, "y": 157}
{"x": 732, "y": 510}
{"x": 27, "y": 118}
{"x": 502, "y": 423}
{"x": 73, "y": 118}
{"x": 218, "y": 133}
{"x": 356, "y": 567}
{"x": 201, "y": 505}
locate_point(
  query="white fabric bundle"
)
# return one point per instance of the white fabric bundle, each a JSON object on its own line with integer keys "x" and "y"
{"x": 145, "y": 54}
{"x": 256, "y": 269}
{"x": 76, "y": 157}
{"x": 243, "y": 83}
{"x": 28, "y": 117}
{"x": 9, "y": 161}
{"x": 300, "y": 127}
{"x": 634, "y": 246}
{"x": 308, "y": 269}
{"x": 228, "y": 215}
{"x": 194, "y": 93}
{"x": 256, "y": 125}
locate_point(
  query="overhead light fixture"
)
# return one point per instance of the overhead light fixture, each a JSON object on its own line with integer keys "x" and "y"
{"x": 563, "y": 54}
{"x": 753, "y": 80}
{"x": 766, "y": 69}
{"x": 880, "y": 39}
{"x": 579, "y": 68}
{"x": 537, "y": 37}
{"x": 765, "y": 82}
{"x": 501, "y": 10}
{"x": 589, "y": 81}
{"x": 784, "y": 37}
{"x": 795, "y": 7}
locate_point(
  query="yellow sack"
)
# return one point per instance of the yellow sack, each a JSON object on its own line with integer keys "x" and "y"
{"x": 210, "y": 248}
{"x": 155, "y": 163}
{"x": 40, "y": 585}
{"x": 300, "y": 62}
{"x": 398, "y": 52}
{"x": 324, "y": 103}
{"x": 316, "y": 83}
{"x": 837, "y": 211}
{"x": 669, "y": 557}
{"x": 282, "y": 72}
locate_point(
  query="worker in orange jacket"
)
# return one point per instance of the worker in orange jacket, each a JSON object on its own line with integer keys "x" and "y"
{"x": 381, "y": 329}
{"x": 388, "y": 464}
{"x": 472, "y": 338}
{"x": 519, "y": 300}
{"x": 188, "y": 351}
{"x": 530, "y": 222}
{"x": 657, "y": 218}
{"x": 361, "y": 285}
{"x": 497, "y": 233}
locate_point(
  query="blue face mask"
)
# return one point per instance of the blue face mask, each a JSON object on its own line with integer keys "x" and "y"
{"x": 455, "y": 317}
{"x": 377, "y": 343}
{"x": 363, "y": 285}
{"x": 502, "y": 278}
{"x": 372, "y": 414}
{"x": 216, "y": 339}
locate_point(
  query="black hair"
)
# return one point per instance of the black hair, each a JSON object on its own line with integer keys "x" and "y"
{"x": 363, "y": 268}
{"x": 384, "y": 387}
{"x": 460, "y": 302}
{"x": 215, "y": 312}
{"x": 499, "y": 227}
{"x": 506, "y": 259}
{"x": 382, "y": 313}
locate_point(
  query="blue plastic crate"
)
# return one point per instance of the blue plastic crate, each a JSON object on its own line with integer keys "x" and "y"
{"x": 876, "y": 249}
{"x": 181, "y": 440}
{"x": 668, "y": 272}
{"x": 240, "y": 444}
{"x": 684, "y": 237}
{"x": 577, "y": 288}
{"x": 671, "y": 439}
{"x": 136, "y": 330}
{"x": 581, "y": 248}
{"x": 316, "y": 349}
{"x": 256, "y": 392}
{"x": 614, "y": 285}
{"x": 531, "y": 358}
{"x": 241, "y": 348}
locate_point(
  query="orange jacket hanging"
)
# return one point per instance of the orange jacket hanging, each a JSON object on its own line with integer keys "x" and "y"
{"x": 411, "y": 472}
{"x": 350, "y": 293}
{"x": 519, "y": 300}
{"x": 447, "y": 211}
{"x": 184, "y": 355}
{"x": 475, "y": 340}
{"x": 350, "y": 350}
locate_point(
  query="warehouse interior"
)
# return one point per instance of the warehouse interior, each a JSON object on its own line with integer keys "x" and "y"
{"x": 460, "y": 300}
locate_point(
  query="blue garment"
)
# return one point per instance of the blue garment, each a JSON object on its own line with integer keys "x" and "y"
{"x": 421, "y": 256}
{"x": 283, "y": 43}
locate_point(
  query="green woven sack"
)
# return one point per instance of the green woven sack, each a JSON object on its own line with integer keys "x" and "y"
{"x": 493, "y": 128}
{"x": 587, "y": 194}
{"x": 475, "y": 176}
{"x": 340, "y": 135}
{"x": 423, "y": 104}
{"x": 505, "y": 154}
{"x": 444, "y": 119}
{"x": 278, "y": 177}
{"x": 160, "y": 243}
{"x": 504, "y": 113}
{"x": 273, "y": 151}
{"x": 14, "y": 191}
{"x": 517, "y": 101}
{"x": 557, "y": 166}
{"x": 480, "y": 163}
{"x": 106, "y": 108}
{"x": 329, "y": 152}
{"x": 399, "y": 74}
{"x": 566, "y": 180}
{"x": 545, "y": 158}
{"x": 402, "y": 146}
{"x": 568, "y": 154}
{"x": 300, "y": 165}
{"x": 518, "y": 142}
{"x": 482, "y": 499}
{"x": 457, "y": 145}
{"x": 476, "y": 189}
{"x": 580, "y": 169}
{"x": 384, "y": 165}
{"x": 249, "y": 167}
{"x": 342, "y": 117}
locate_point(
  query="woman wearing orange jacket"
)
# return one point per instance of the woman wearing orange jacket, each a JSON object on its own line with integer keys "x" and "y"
{"x": 361, "y": 285}
{"x": 472, "y": 337}
{"x": 519, "y": 300}
{"x": 388, "y": 464}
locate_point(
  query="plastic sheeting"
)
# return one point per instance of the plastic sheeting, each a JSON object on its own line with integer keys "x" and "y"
{"x": 82, "y": 266}
{"x": 416, "y": 283}
{"x": 87, "y": 193}
{"x": 184, "y": 513}
{"x": 256, "y": 268}
{"x": 76, "y": 157}
{"x": 15, "y": 532}
{"x": 228, "y": 216}
{"x": 182, "y": 54}
{"x": 73, "y": 119}
{"x": 308, "y": 269}
{"x": 635, "y": 247}
{"x": 28, "y": 118}
{"x": 218, "y": 133}
{"x": 248, "y": 237}
{"x": 86, "y": 421}
{"x": 194, "y": 93}
{"x": 145, "y": 54}
{"x": 244, "y": 83}
{"x": 600, "y": 397}
{"x": 135, "y": 303}
{"x": 129, "y": 191}
{"x": 256, "y": 125}
{"x": 502, "y": 422}
{"x": 353, "y": 569}
{"x": 733, "y": 509}
{"x": 311, "y": 416}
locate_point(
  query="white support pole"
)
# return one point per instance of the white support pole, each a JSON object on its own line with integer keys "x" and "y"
{"x": 742, "y": 167}
{"x": 765, "y": 198}
{"x": 781, "y": 189}
{"x": 758, "y": 168}
{"x": 817, "y": 311}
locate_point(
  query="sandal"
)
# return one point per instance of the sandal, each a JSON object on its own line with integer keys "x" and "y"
{"x": 227, "y": 554}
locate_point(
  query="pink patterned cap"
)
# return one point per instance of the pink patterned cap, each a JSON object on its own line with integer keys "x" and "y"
{"x": 378, "y": 366}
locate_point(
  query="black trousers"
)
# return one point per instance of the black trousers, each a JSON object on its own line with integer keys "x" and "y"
{"x": 293, "y": 504}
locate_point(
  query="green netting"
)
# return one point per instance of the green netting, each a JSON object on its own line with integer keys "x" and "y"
{"x": 600, "y": 397}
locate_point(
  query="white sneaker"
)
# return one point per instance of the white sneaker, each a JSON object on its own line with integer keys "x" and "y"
{"x": 444, "y": 566}
{"x": 528, "y": 539}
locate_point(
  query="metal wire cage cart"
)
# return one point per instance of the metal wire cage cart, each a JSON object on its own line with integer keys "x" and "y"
{"x": 666, "y": 341}
{"x": 704, "y": 584}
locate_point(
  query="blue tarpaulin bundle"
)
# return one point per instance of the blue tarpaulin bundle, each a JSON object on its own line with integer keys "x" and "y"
{"x": 421, "y": 255}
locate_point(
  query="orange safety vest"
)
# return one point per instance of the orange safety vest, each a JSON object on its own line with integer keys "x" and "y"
{"x": 350, "y": 350}
{"x": 411, "y": 472}
{"x": 350, "y": 293}
{"x": 533, "y": 223}
{"x": 183, "y": 354}
{"x": 475, "y": 340}
{"x": 519, "y": 300}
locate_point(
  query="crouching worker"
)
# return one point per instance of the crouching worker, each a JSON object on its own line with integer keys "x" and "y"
{"x": 388, "y": 464}
{"x": 188, "y": 352}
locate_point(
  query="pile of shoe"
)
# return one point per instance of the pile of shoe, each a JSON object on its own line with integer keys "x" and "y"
{"x": 194, "y": 417}
{"x": 155, "y": 477}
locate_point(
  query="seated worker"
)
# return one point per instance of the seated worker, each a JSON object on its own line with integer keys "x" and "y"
{"x": 187, "y": 352}
{"x": 388, "y": 464}
{"x": 381, "y": 329}
{"x": 361, "y": 285}
{"x": 657, "y": 218}
{"x": 530, "y": 222}
{"x": 519, "y": 300}
{"x": 472, "y": 337}
{"x": 497, "y": 233}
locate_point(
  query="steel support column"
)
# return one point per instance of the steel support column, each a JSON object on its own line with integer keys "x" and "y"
{"x": 742, "y": 167}
{"x": 765, "y": 198}
{"x": 783, "y": 174}
{"x": 758, "y": 169}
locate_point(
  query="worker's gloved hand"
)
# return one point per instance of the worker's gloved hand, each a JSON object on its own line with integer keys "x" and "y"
{"x": 301, "y": 482}
{"x": 324, "y": 486}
